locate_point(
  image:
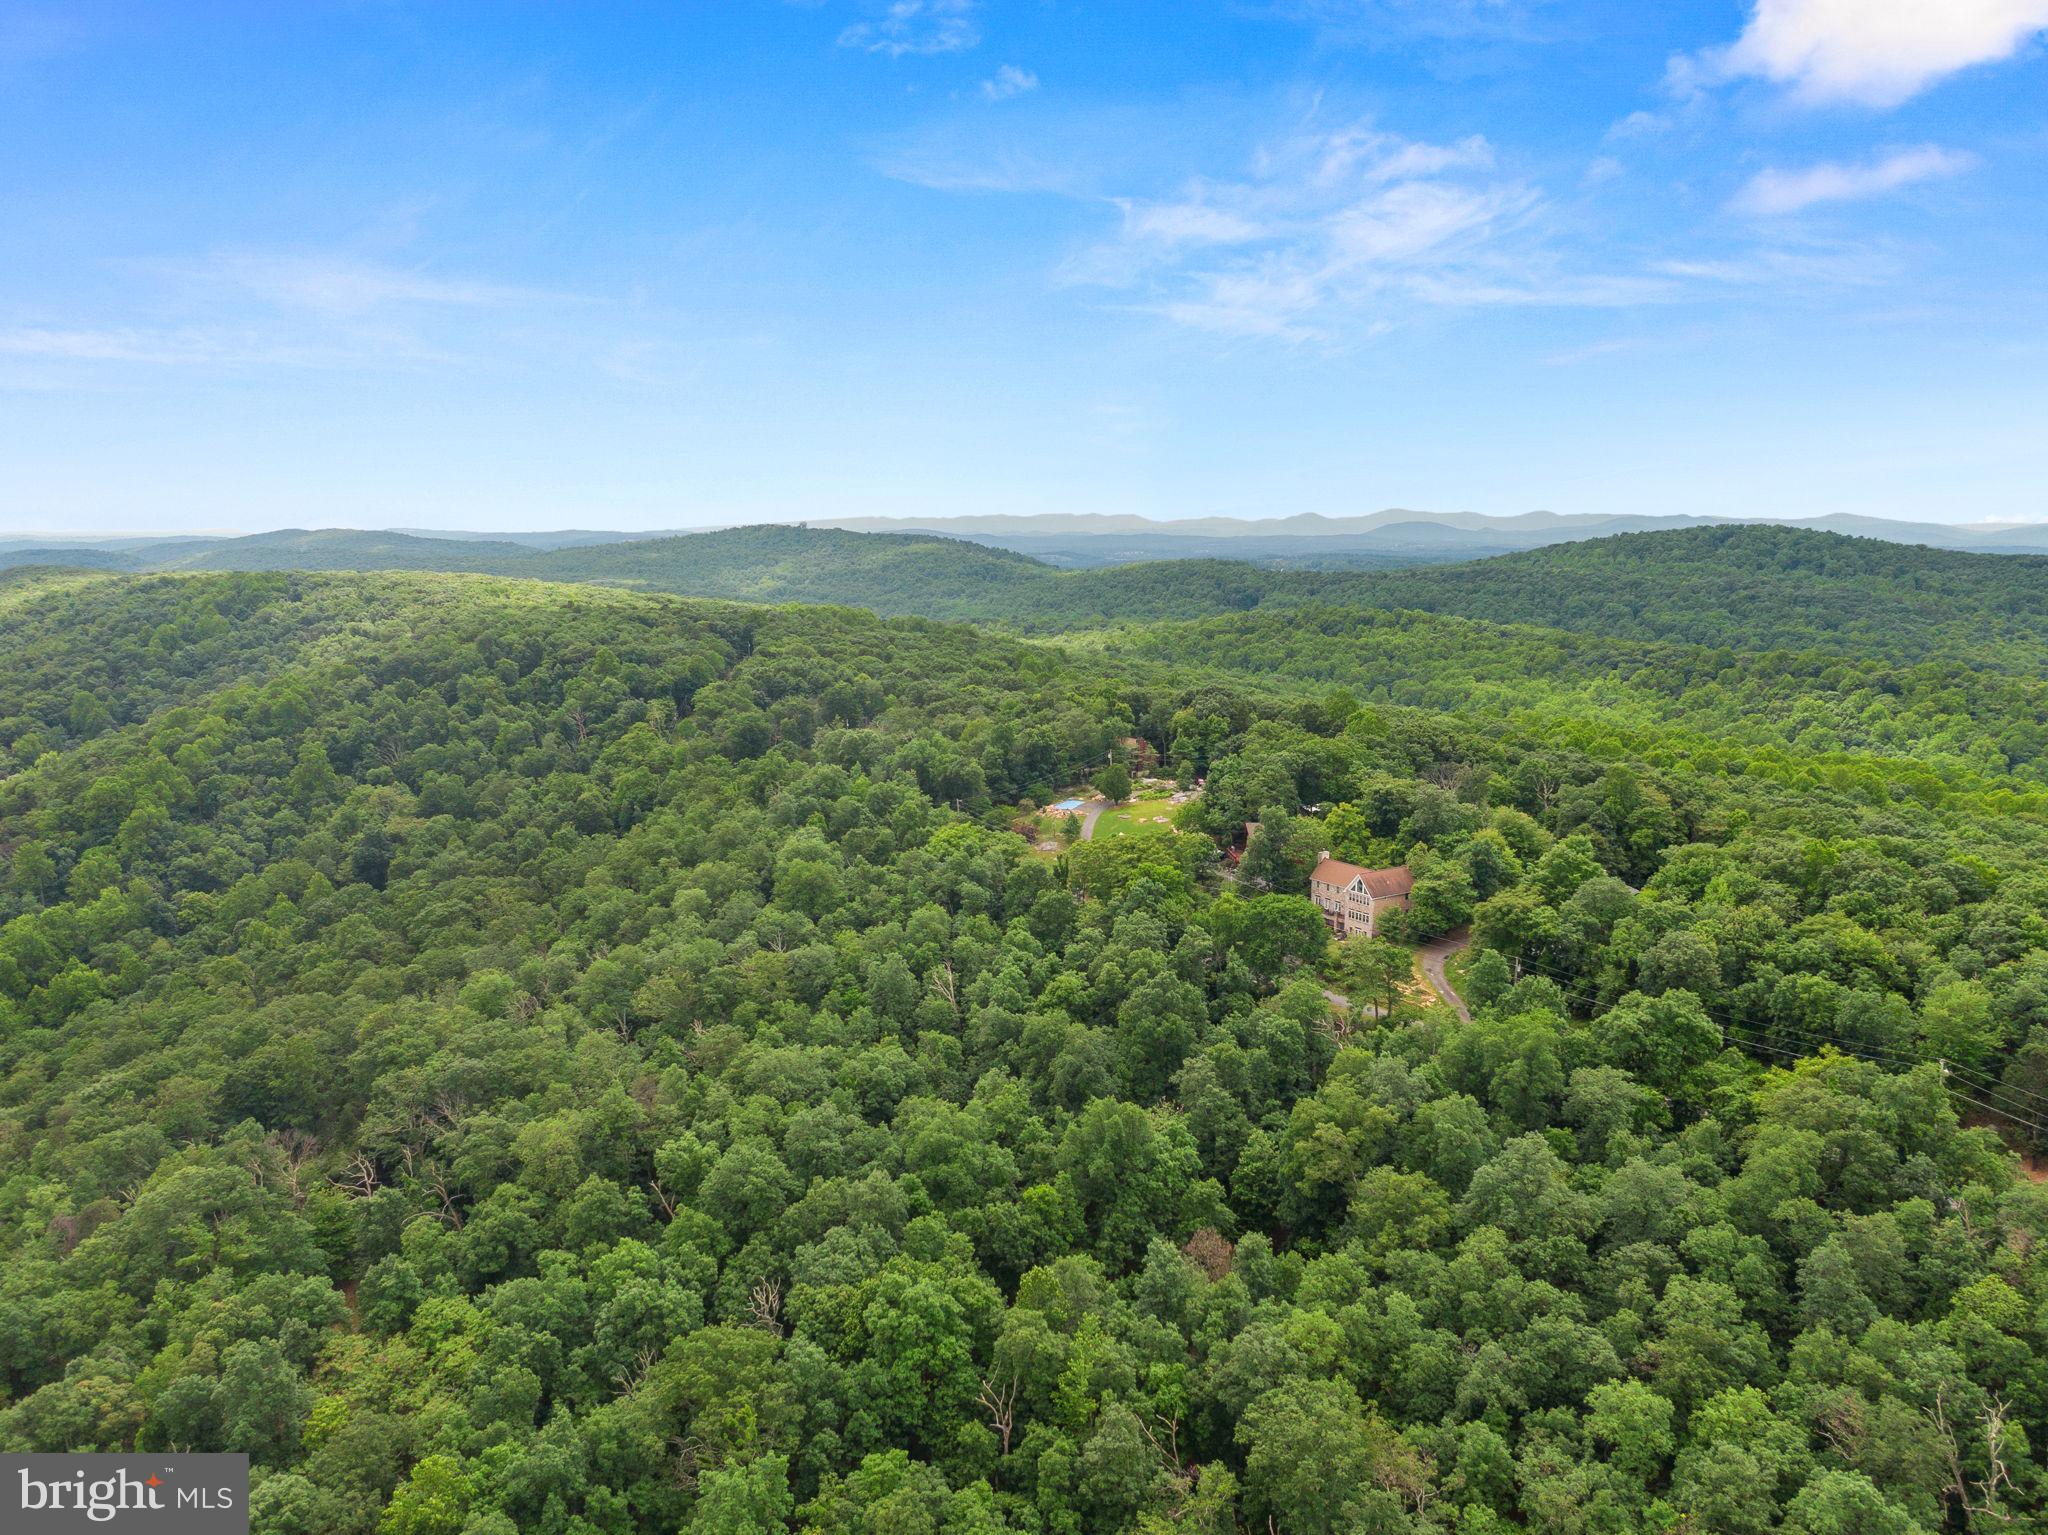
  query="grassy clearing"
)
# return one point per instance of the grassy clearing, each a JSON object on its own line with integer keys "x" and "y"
{"x": 1151, "y": 810}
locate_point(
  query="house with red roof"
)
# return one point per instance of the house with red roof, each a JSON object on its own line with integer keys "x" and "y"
{"x": 1353, "y": 899}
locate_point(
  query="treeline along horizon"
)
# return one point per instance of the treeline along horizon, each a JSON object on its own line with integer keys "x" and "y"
{"x": 1755, "y": 588}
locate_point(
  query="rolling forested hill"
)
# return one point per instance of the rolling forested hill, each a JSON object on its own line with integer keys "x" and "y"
{"x": 1740, "y": 588}
{"x": 517, "y": 1055}
{"x": 1751, "y": 588}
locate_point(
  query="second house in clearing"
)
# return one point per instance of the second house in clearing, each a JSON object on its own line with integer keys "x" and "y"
{"x": 1352, "y": 898}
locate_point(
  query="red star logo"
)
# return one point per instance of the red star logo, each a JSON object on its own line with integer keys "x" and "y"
{"x": 153, "y": 1481}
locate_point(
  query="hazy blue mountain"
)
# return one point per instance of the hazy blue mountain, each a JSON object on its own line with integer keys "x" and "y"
{"x": 1393, "y": 536}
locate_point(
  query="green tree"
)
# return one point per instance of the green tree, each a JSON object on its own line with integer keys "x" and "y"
{"x": 434, "y": 1500}
{"x": 1311, "y": 1455}
{"x": 1113, "y": 783}
{"x": 748, "y": 1499}
{"x": 1441, "y": 900}
{"x": 1957, "y": 1024}
{"x": 1372, "y": 970}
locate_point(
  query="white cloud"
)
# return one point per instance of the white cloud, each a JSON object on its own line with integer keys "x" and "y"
{"x": 1191, "y": 222}
{"x": 204, "y": 347}
{"x": 1335, "y": 232}
{"x": 1876, "y": 52}
{"x": 1638, "y": 125}
{"x": 339, "y": 284}
{"x": 1416, "y": 219}
{"x": 1780, "y": 266}
{"x": 1775, "y": 191}
{"x": 61, "y": 345}
{"x": 916, "y": 26}
{"x": 940, "y": 169}
{"x": 1381, "y": 157}
{"x": 1007, "y": 82}
{"x": 254, "y": 309}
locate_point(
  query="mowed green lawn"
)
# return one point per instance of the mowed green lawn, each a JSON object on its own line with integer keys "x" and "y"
{"x": 1153, "y": 814}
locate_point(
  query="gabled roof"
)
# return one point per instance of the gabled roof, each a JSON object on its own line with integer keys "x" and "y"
{"x": 1381, "y": 884}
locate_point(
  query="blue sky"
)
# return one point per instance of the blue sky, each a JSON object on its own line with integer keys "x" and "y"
{"x": 542, "y": 265}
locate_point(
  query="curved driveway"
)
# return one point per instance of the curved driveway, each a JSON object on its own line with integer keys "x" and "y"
{"x": 1432, "y": 957}
{"x": 1091, "y": 812}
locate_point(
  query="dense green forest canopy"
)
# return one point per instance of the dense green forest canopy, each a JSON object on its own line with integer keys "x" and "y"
{"x": 535, "y": 1057}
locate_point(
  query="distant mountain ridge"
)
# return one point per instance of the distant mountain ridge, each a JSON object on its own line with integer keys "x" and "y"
{"x": 1394, "y": 536}
{"x": 1749, "y": 586}
{"x": 1310, "y": 538}
{"x": 1296, "y": 525}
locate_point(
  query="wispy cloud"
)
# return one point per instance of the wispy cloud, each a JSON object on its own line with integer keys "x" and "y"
{"x": 916, "y": 26}
{"x": 1777, "y": 191}
{"x": 1334, "y": 230}
{"x": 1594, "y": 351}
{"x": 296, "y": 310}
{"x": 341, "y": 284}
{"x": 1873, "y": 52}
{"x": 1789, "y": 266}
{"x": 1329, "y": 232}
{"x": 53, "y": 344}
{"x": 1007, "y": 82}
{"x": 1638, "y": 125}
{"x": 942, "y": 168}
{"x": 196, "y": 346}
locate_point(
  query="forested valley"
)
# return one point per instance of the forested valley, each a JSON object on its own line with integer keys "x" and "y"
{"x": 539, "y": 1056}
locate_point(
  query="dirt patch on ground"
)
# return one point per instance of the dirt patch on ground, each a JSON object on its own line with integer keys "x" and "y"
{"x": 2033, "y": 1166}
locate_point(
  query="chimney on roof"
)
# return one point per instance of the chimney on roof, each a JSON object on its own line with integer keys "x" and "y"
{"x": 1324, "y": 855}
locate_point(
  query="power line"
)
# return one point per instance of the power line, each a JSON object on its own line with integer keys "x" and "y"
{"x": 1876, "y": 1053}
{"x": 2015, "y": 1106}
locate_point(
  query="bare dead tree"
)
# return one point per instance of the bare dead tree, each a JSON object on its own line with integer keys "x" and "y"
{"x": 1977, "y": 1497}
{"x": 999, "y": 1401}
{"x": 359, "y": 1177}
{"x": 633, "y": 1374}
{"x": 1336, "y": 1023}
{"x": 1211, "y": 1251}
{"x": 435, "y": 1181}
{"x": 693, "y": 1458}
{"x": 1993, "y": 1422}
{"x": 1842, "y": 1423}
{"x": 1168, "y": 1449}
{"x": 1408, "y": 1477}
{"x": 764, "y": 1305}
{"x": 296, "y": 1149}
